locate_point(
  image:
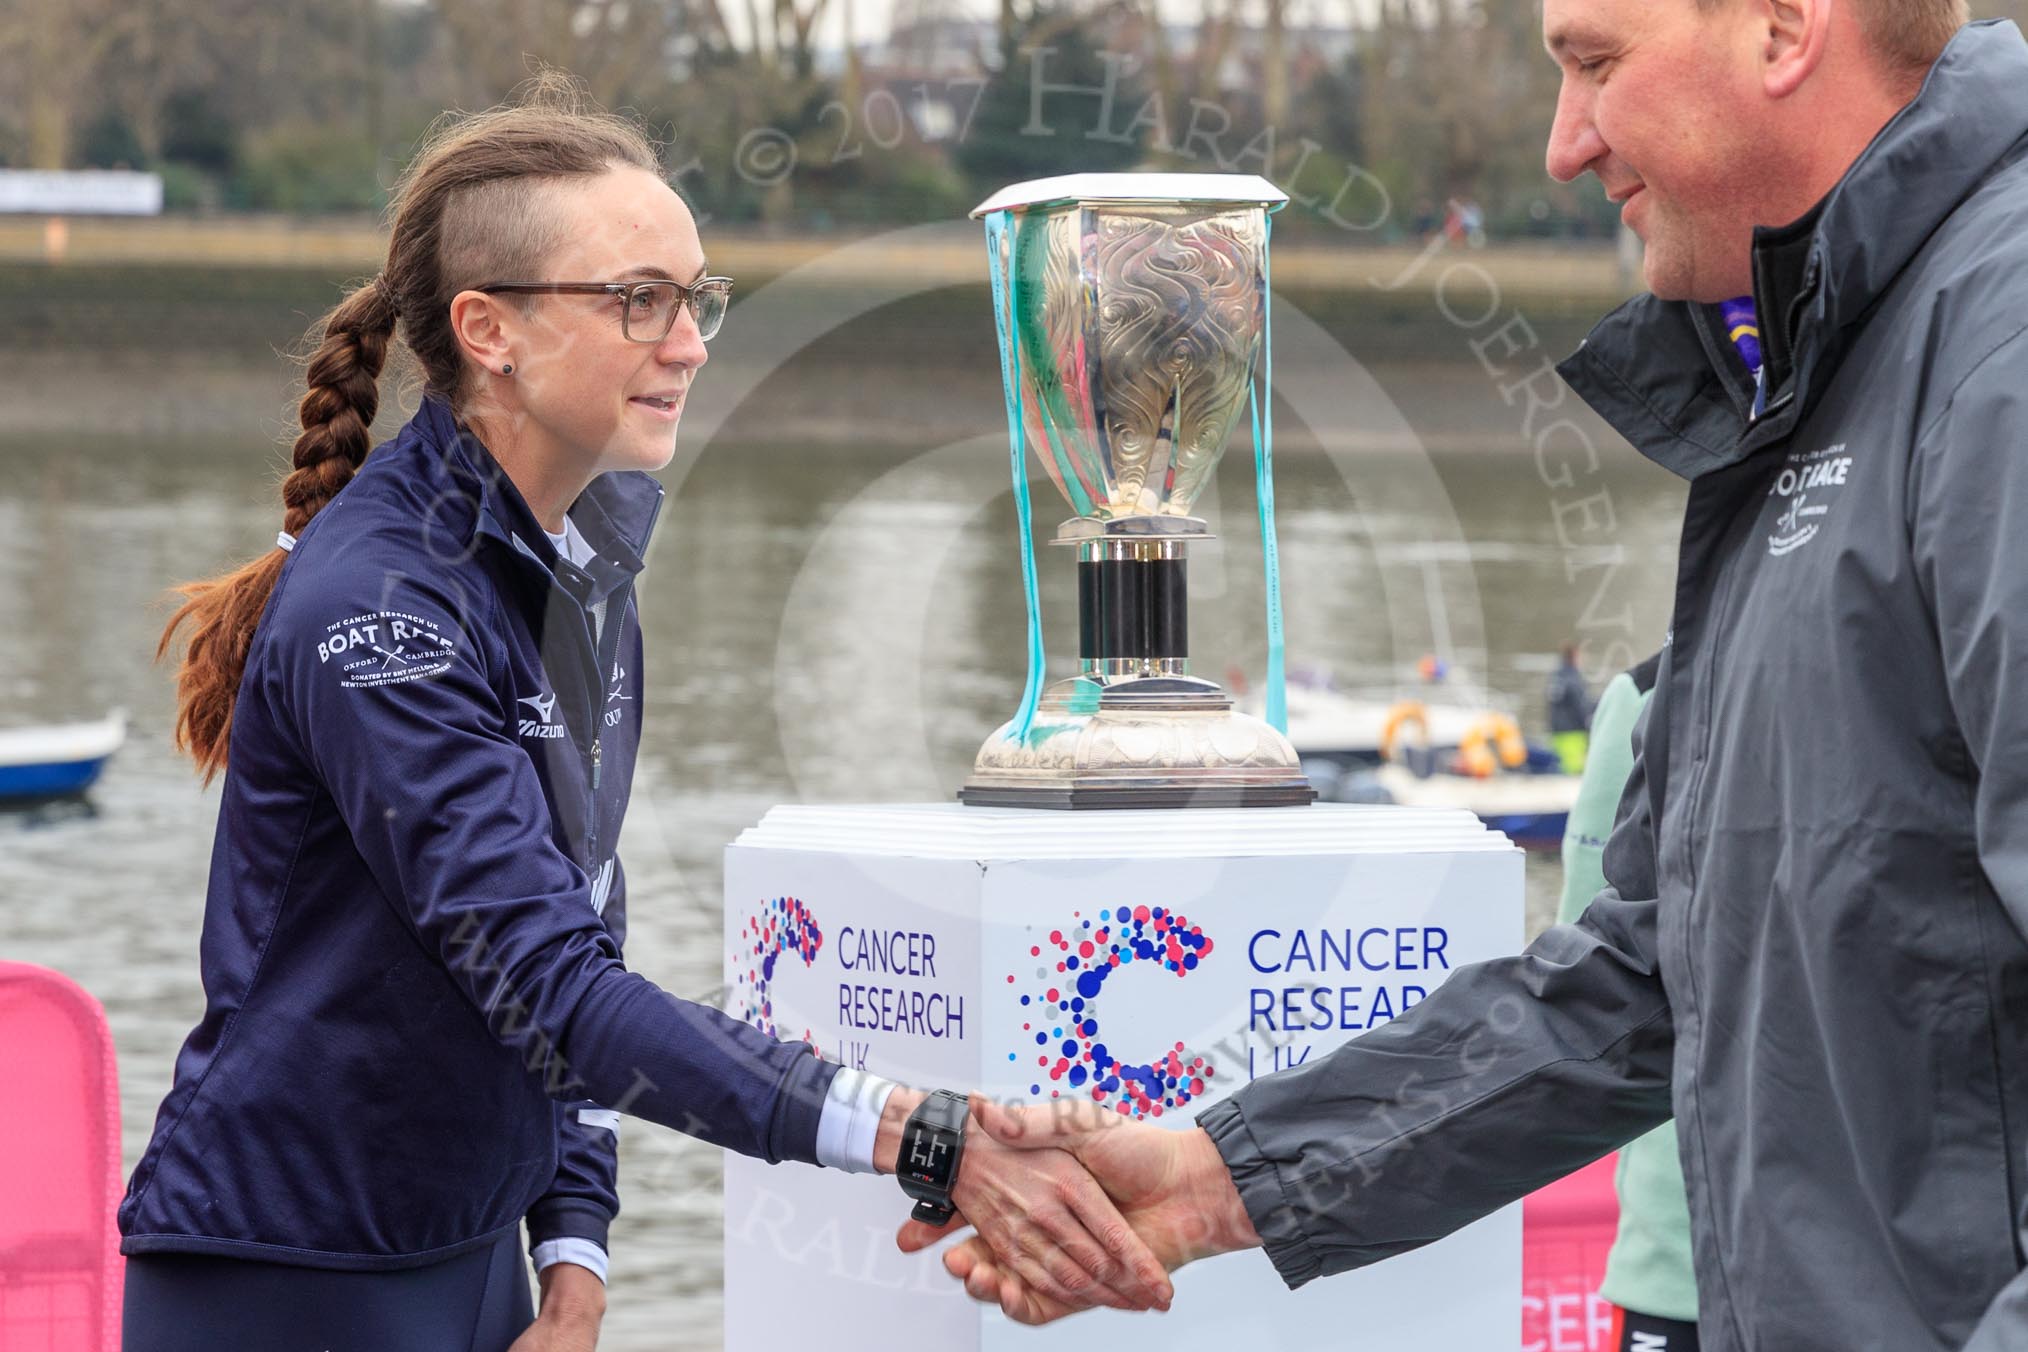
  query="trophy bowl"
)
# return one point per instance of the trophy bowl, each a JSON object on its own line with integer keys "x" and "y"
{"x": 1132, "y": 311}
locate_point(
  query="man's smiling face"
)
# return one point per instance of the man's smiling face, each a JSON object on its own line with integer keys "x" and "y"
{"x": 1661, "y": 101}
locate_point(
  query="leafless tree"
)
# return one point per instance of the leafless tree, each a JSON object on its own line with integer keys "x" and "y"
{"x": 614, "y": 46}
{"x": 51, "y": 50}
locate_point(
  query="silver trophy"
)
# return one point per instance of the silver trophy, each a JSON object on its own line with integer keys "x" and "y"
{"x": 1133, "y": 309}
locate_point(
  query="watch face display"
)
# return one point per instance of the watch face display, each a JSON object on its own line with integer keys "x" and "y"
{"x": 928, "y": 1155}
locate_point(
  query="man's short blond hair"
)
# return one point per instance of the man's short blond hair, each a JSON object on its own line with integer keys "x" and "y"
{"x": 1907, "y": 36}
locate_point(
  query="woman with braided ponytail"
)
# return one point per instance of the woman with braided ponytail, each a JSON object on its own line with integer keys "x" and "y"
{"x": 336, "y": 414}
{"x": 424, "y": 702}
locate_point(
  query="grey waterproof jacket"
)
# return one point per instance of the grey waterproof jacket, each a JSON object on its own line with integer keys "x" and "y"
{"x": 1812, "y": 944}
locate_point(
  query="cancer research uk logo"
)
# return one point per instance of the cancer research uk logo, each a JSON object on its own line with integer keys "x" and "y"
{"x": 1815, "y": 474}
{"x": 1061, "y": 1013}
{"x": 783, "y": 925}
{"x": 387, "y": 647}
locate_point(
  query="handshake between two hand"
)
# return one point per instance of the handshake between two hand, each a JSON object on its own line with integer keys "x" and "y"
{"x": 1074, "y": 1206}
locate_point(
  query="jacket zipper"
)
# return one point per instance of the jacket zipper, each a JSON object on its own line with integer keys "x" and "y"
{"x": 604, "y": 655}
{"x": 602, "y": 658}
{"x": 1701, "y": 739}
{"x": 592, "y": 712}
{"x": 596, "y": 752}
{"x": 1764, "y": 432}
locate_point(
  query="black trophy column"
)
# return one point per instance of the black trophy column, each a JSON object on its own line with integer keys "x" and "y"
{"x": 1133, "y": 607}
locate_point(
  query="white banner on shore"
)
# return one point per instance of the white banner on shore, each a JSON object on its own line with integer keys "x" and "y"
{"x": 80, "y": 192}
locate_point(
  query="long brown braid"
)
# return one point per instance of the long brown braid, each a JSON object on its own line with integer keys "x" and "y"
{"x": 478, "y": 201}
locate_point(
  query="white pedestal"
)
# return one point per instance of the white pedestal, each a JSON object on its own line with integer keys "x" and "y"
{"x": 923, "y": 943}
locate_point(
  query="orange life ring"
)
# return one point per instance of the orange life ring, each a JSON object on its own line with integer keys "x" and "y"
{"x": 1492, "y": 741}
{"x": 1400, "y": 716}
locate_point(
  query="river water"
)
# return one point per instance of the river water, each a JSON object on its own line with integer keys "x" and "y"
{"x": 830, "y": 616}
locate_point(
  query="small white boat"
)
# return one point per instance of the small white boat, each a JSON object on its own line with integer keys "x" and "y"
{"x": 1367, "y": 747}
{"x": 1531, "y": 809}
{"x": 57, "y": 760}
{"x": 1327, "y": 722}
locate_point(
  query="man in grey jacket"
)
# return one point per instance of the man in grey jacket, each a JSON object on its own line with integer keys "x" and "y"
{"x": 1811, "y": 949}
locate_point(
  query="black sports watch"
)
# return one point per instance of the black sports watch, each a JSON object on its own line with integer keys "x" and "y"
{"x": 932, "y": 1143}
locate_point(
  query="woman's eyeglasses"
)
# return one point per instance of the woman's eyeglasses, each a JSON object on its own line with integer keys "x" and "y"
{"x": 650, "y": 308}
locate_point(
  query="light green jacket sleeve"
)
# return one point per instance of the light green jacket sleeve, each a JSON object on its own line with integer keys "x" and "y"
{"x": 1649, "y": 1269}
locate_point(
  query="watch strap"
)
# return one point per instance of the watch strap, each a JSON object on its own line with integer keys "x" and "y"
{"x": 929, "y": 1213}
{"x": 943, "y": 1108}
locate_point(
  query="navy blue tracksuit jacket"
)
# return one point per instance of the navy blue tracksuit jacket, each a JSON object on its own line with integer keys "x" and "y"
{"x": 415, "y": 1003}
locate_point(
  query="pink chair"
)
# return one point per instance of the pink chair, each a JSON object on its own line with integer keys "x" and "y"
{"x": 60, "y": 1268}
{"x": 1566, "y": 1230}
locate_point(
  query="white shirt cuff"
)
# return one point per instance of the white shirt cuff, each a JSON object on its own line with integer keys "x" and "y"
{"x": 850, "y": 1120}
{"x": 570, "y": 1249}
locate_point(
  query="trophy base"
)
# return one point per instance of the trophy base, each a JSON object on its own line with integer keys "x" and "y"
{"x": 1166, "y": 741}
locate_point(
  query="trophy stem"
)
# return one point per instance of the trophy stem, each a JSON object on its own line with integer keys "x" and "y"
{"x": 1133, "y": 608}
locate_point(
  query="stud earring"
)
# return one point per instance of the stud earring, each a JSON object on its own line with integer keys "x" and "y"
{"x": 507, "y": 369}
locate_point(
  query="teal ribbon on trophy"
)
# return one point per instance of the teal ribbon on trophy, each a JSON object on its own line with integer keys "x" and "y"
{"x": 1260, "y": 403}
{"x": 1003, "y": 324}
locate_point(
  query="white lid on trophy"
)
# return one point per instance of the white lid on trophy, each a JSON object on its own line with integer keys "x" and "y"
{"x": 1246, "y": 189}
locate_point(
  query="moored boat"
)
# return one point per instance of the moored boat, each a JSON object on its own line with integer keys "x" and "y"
{"x": 1426, "y": 753}
{"x": 57, "y": 760}
{"x": 1531, "y": 809}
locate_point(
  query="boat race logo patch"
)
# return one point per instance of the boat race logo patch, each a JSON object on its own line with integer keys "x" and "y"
{"x": 1061, "y": 1014}
{"x": 386, "y": 647}
{"x": 783, "y": 925}
{"x": 1807, "y": 484}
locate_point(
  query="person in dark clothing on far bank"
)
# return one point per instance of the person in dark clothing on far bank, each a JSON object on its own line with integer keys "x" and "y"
{"x": 1569, "y": 712}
